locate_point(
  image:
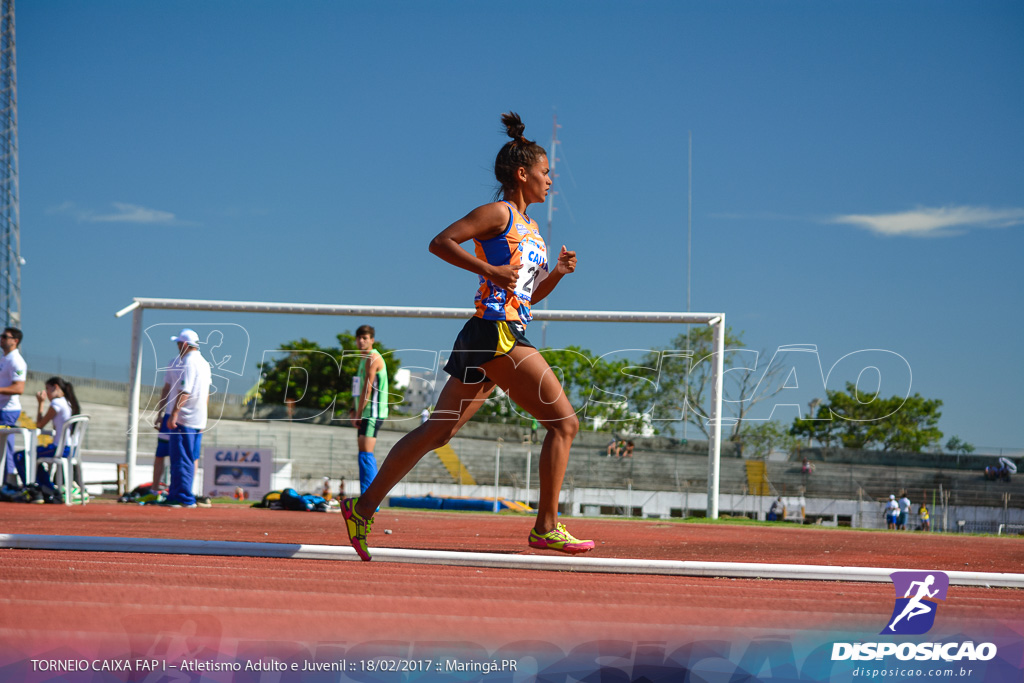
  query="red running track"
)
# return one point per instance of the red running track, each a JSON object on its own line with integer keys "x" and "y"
{"x": 112, "y": 601}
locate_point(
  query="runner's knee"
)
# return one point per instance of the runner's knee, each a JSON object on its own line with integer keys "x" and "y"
{"x": 566, "y": 426}
{"x": 437, "y": 433}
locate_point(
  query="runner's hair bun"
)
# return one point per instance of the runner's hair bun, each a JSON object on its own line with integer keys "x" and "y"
{"x": 514, "y": 126}
{"x": 517, "y": 152}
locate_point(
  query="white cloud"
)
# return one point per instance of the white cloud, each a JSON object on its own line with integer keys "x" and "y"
{"x": 130, "y": 213}
{"x": 66, "y": 207}
{"x": 942, "y": 222}
{"x": 123, "y": 213}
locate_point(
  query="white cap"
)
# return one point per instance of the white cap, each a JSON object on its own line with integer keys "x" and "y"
{"x": 188, "y": 336}
{"x": 892, "y": 497}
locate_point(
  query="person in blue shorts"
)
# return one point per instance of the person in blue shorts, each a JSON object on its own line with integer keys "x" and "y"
{"x": 892, "y": 512}
{"x": 901, "y": 520}
{"x": 13, "y": 373}
{"x": 161, "y": 472}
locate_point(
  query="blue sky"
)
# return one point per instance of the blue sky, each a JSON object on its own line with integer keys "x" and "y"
{"x": 857, "y": 171}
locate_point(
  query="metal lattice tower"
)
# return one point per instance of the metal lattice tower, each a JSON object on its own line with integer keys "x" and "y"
{"x": 10, "y": 233}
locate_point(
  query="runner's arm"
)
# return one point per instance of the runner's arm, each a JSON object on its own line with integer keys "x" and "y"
{"x": 566, "y": 264}
{"x": 483, "y": 222}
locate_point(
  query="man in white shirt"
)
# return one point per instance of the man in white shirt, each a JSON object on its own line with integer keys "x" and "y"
{"x": 13, "y": 373}
{"x": 186, "y": 417}
{"x": 904, "y": 512}
{"x": 892, "y": 512}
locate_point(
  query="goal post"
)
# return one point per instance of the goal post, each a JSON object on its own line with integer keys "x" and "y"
{"x": 715, "y": 320}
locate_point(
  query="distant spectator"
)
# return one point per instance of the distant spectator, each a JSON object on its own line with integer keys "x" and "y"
{"x": 1009, "y": 467}
{"x": 161, "y": 472}
{"x": 187, "y": 418}
{"x": 904, "y": 503}
{"x": 613, "y": 447}
{"x": 628, "y": 453}
{"x": 1002, "y": 470}
{"x": 370, "y": 393}
{"x": 1006, "y": 468}
{"x": 925, "y": 516}
{"x": 807, "y": 467}
{"x": 892, "y": 512}
{"x": 777, "y": 511}
{"x": 13, "y": 372}
{"x": 63, "y": 405}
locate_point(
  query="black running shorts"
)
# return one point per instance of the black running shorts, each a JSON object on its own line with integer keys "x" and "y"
{"x": 481, "y": 341}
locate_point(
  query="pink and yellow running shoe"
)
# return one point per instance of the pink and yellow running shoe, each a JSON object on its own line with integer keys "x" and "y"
{"x": 559, "y": 539}
{"x": 357, "y": 527}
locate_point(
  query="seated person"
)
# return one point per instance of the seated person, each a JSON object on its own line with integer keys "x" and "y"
{"x": 1007, "y": 468}
{"x": 1001, "y": 471}
{"x": 777, "y": 511}
{"x": 807, "y": 467}
{"x": 628, "y": 453}
{"x": 63, "y": 405}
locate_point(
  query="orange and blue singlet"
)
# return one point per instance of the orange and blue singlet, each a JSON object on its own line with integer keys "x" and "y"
{"x": 519, "y": 243}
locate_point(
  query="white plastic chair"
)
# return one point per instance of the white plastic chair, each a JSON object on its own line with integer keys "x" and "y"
{"x": 28, "y": 439}
{"x": 78, "y": 425}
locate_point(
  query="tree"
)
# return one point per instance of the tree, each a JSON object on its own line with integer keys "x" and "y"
{"x": 308, "y": 375}
{"x": 761, "y": 438}
{"x": 956, "y": 445}
{"x": 854, "y": 419}
{"x": 680, "y": 376}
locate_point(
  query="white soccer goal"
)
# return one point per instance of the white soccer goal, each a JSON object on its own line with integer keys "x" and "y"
{"x": 715, "y": 320}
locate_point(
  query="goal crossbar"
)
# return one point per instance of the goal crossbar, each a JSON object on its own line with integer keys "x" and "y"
{"x": 410, "y": 311}
{"x": 715, "y": 320}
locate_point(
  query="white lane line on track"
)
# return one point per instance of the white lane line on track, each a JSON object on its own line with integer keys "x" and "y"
{"x": 745, "y": 570}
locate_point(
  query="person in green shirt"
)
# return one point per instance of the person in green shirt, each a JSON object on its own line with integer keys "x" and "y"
{"x": 371, "y": 402}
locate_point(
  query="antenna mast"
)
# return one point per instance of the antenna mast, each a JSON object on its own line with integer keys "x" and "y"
{"x": 689, "y": 242}
{"x": 10, "y": 237}
{"x": 552, "y": 158}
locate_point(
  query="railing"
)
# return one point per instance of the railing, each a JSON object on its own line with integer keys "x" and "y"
{"x": 87, "y": 383}
{"x": 870, "y": 484}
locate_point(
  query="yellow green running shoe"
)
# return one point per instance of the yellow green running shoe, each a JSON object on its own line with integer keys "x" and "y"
{"x": 559, "y": 539}
{"x": 357, "y": 528}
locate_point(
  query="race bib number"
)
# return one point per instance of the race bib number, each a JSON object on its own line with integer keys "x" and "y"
{"x": 533, "y": 257}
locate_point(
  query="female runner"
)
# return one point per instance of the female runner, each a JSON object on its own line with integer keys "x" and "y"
{"x": 492, "y": 348}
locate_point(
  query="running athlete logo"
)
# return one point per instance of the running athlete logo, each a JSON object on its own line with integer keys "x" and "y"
{"x": 914, "y": 613}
